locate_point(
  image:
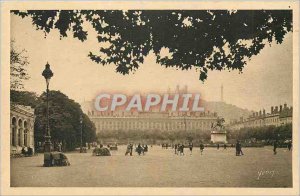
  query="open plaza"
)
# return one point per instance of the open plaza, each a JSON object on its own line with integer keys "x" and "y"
{"x": 73, "y": 123}
{"x": 258, "y": 167}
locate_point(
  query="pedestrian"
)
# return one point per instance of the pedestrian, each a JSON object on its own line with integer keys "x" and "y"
{"x": 191, "y": 148}
{"x": 241, "y": 149}
{"x": 139, "y": 149}
{"x": 201, "y": 148}
{"x": 23, "y": 151}
{"x": 289, "y": 145}
{"x": 131, "y": 148}
{"x": 218, "y": 146}
{"x": 179, "y": 149}
{"x": 238, "y": 148}
{"x": 127, "y": 150}
{"x": 143, "y": 147}
{"x": 182, "y": 150}
{"x": 175, "y": 148}
{"x": 275, "y": 145}
{"x": 225, "y": 146}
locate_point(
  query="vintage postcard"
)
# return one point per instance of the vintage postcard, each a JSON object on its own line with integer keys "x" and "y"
{"x": 149, "y": 98}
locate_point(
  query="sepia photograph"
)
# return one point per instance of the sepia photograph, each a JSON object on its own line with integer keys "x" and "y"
{"x": 138, "y": 96}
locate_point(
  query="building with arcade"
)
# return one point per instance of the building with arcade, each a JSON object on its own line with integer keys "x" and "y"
{"x": 21, "y": 127}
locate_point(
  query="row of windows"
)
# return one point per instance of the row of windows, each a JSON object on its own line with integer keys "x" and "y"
{"x": 152, "y": 125}
{"x": 170, "y": 114}
{"x": 269, "y": 120}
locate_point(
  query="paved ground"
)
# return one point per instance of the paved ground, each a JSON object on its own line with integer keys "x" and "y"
{"x": 161, "y": 168}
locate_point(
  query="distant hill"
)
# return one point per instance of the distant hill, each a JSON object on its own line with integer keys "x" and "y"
{"x": 225, "y": 110}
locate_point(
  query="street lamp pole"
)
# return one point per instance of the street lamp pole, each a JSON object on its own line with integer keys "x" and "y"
{"x": 184, "y": 121}
{"x": 81, "y": 150}
{"x": 47, "y": 73}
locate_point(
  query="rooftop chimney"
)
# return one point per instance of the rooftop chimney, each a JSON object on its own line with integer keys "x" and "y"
{"x": 285, "y": 106}
{"x": 276, "y": 109}
{"x": 280, "y": 110}
{"x": 272, "y": 109}
{"x": 264, "y": 112}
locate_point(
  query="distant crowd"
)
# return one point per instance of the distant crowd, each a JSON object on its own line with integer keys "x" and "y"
{"x": 140, "y": 149}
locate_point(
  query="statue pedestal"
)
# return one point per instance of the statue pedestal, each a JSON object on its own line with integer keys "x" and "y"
{"x": 218, "y": 137}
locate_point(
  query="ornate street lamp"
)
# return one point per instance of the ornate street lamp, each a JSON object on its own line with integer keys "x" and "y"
{"x": 80, "y": 119}
{"x": 47, "y": 73}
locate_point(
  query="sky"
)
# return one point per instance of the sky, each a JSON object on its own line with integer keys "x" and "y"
{"x": 265, "y": 81}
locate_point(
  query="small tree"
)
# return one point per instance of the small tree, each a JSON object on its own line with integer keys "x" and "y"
{"x": 18, "y": 64}
{"x": 64, "y": 121}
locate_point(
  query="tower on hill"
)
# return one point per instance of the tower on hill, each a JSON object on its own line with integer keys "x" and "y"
{"x": 222, "y": 99}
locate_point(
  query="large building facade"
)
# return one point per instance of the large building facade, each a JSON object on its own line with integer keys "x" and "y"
{"x": 21, "y": 127}
{"x": 278, "y": 116}
{"x": 151, "y": 120}
{"x": 163, "y": 121}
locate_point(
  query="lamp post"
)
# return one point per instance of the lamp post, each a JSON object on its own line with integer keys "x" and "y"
{"x": 184, "y": 121}
{"x": 47, "y": 73}
{"x": 80, "y": 118}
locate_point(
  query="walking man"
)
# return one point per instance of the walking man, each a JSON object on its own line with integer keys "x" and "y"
{"x": 191, "y": 148}
{"x": 238, "y": 148}
{"x": 289, "y": 145}
{"x": 131, "y": 148}
{"x": 275, "y": 145}
{"x": 201, "y": 148}
{"x": 139, "y": 149}
{"x": 182, "y": 149}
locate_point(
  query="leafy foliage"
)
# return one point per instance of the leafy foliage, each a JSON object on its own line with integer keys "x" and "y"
{"x": 24, "y": 98}
{"x": 140, "y": 136}
{"x": 204, "y": 39}
{"x": 64, "y": 115}
{"x": 282, "y": 132}
{"x": 18, "y": 63}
